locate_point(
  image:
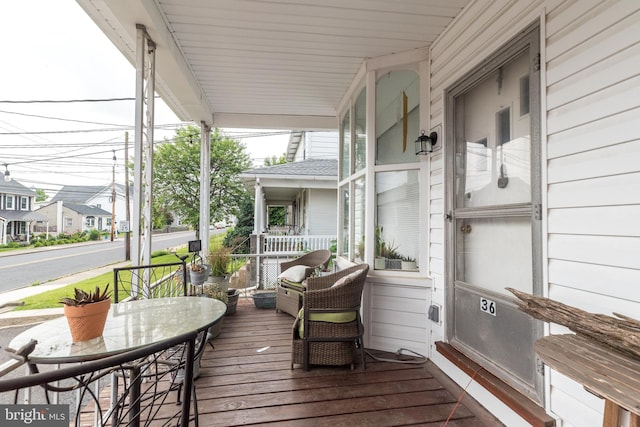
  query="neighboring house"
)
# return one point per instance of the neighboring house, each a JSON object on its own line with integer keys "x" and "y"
{"x": 16, "y": 215}
{"x": 306, "y": 186}
{"x": 99, "y": 196}
{"x": 72, "y": 218}
{"x": 533, "y": 183}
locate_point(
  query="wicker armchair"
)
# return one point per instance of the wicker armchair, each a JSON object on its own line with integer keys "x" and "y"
{"x": 314, "y": 259}
{"x": 330, "y": 320}
{"x": 289, "y": 296}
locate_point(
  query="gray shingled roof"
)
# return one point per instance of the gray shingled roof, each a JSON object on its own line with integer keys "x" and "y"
{"x": 77, "y": 193}
{"x": 87, "y": 210}
{"x": 309, "y": 167}
{"x": 14, "y": 187}
{"x": 11, "y": 215}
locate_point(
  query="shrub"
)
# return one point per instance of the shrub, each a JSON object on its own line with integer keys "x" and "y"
{"x": 94, "y": 235}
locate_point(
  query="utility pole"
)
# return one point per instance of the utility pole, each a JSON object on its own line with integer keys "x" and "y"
{"x": 113, "y": 195}
{"x": 127, "y": 239}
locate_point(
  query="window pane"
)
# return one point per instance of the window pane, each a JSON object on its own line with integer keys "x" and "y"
{"x": 397, "y": 117}
{"x": 360, "y": 113}
{"x": 397, "y": 207}
{"x": 345, "y": 139}
{"x": 358, "y": 219}
{"x": 344, "y": 200}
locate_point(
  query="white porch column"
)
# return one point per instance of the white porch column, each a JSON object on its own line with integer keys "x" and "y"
{"x": 59, "y": 217}
{"x": 257, "y": 210}
{"x": 3, "y": 230}
{"x": 143, "y": 148}
{"x": 264, "y": 220}
{"x": 205, "y": 186}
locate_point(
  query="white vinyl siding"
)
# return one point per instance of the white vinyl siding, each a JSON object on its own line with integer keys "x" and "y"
{"x": 322, "y": 145}
{"x": 317, "y": 145}
{"x": 397, "y": 315}
{"x": 591, "y": 54}
{"x": 321, "y": 212}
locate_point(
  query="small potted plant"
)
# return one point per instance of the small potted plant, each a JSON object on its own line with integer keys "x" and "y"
{"x": 198, "y": 271}
{"x": 408, "y": 263}
{"x": 86, "y": 313}
{"x": 214, "y": 291}
{"x": 219, "y": 261}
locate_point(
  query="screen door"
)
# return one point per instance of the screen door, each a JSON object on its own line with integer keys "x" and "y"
{"x": 494, "y": 215}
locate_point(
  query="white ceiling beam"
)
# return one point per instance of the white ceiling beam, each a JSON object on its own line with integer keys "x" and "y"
{"x": 268, "y": 121}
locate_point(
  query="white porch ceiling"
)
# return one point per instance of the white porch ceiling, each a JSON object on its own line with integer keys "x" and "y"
{"x": 283, "y": 64}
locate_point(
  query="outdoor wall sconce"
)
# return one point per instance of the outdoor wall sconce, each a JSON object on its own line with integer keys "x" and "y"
{"x": 425, "y": 143}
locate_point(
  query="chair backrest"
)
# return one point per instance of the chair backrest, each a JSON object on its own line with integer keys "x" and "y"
{"x": 339, "y": 290}
{"x": 313, "y": 260}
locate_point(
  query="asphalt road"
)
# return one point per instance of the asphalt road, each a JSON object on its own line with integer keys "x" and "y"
{"x": 20, "y": 269}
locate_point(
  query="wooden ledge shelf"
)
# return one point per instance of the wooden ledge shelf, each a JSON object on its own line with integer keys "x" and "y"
{"x": 608, "y": 374}
{"x": 519, "y": 403}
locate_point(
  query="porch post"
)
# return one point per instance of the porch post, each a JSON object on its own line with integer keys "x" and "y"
{"x": 205, "y": 185}
{"x": 257, "y": 210}
{"x": 143, "y": 148}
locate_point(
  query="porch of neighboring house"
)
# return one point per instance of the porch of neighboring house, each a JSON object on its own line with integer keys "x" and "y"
{"x": 246, "y": 380}
{"x": 268, "y": 251}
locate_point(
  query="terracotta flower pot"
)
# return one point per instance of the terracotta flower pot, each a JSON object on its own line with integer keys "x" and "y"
{"x": 87, "y": 321}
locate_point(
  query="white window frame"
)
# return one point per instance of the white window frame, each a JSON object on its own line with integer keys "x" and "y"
{"x": 367, "y": 77}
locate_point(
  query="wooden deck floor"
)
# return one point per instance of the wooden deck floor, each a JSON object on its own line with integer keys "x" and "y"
{"x": 246, "y": 380}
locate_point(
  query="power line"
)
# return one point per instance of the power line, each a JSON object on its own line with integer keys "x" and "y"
{"x": 60, "y": 118}
{"x": 64, "y": 101}
{"x": 45, "y": 132}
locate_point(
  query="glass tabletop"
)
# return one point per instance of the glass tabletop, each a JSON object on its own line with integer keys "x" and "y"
{"x": 130, "y": 325}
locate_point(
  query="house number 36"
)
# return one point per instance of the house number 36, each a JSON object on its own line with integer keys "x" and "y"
{"x": 487, "y": 306}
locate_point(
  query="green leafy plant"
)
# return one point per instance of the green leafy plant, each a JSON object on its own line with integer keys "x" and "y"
{"x": 383, "y": 248}
{"x": 215, "y": 291}
{"x": 81, "y": 297}
{"x": 219, "y": 260}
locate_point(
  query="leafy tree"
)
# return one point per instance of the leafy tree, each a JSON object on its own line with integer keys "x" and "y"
{"x": 276, "y": 215}
{"x": 273, "y": 160}
{"x": 41, "y": 196}
{"x": 238, "y": 237}
{"x": 162, "y": 216}
{"x": 177, "y": 175}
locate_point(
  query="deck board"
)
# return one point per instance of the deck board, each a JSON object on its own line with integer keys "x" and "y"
{"x": 239, "y": 385}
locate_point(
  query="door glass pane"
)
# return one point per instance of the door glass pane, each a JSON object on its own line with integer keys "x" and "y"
{"x": 493, "y": 160}
{"x": 495, "y": 253}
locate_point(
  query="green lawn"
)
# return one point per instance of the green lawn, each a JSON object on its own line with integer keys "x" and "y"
{"x": 50, "y": 299}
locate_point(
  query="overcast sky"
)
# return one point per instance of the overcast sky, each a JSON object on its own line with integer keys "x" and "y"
{"x": 51, "y": 50}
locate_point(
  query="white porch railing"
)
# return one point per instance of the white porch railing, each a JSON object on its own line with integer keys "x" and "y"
{"x": 277, "y": 244}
